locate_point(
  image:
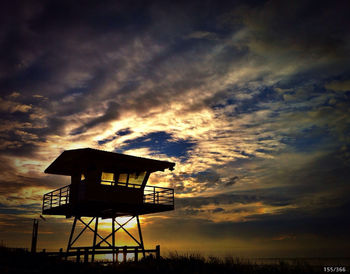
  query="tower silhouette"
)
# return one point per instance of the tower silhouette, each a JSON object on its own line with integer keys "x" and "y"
{"x": 106, "y": 185}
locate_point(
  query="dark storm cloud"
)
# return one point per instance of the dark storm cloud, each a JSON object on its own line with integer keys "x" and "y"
{"x": 321, "y": 234}
{"x": 308, "y": 197}
{"x": 255, "y": 95}
{"x": 61, "y": 47}
{"x": 246, "y": 197}
{"x": 324, "y": 223}
{"x": 112, "y": 113}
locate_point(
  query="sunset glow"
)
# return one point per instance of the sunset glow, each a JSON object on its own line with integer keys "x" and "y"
{"x": 249, "y": 99}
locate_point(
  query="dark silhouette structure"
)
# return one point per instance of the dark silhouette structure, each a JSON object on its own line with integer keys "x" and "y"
{"x": 106, "y": 185}
{"x": 34, "y": 235}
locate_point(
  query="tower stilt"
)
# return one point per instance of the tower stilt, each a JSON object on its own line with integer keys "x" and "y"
{"x": 71, "y": 236}
{"x": 94, "y": 242}
{"x": 111, "y": 247}
{"x": 113, "y": 239}
{"x": 140, "y": 235}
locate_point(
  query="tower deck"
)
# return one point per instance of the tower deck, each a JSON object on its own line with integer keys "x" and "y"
{"x": 155, "y": 199}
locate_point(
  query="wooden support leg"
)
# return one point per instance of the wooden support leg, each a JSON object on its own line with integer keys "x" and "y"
{"x": 113, "y": 239}
{"x": 140, "y": 234}
{"x": 94, "y": 242}
{"x": 71, "y": 236}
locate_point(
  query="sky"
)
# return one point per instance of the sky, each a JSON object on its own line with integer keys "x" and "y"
{"x": 250, "y": 99}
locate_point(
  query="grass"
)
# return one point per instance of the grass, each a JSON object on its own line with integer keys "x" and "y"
{"x": 21, "y": 261}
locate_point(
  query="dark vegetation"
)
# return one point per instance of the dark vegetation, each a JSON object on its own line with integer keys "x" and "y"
{"x": 21, "y": 261}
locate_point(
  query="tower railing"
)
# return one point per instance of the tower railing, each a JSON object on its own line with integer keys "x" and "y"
{"x": 158, "y": 195}
{"x": 56, "y": 198}
{"x": 151, "y": 195}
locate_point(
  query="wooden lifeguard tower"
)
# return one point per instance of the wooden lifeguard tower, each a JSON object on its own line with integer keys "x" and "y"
{"x": 106, "y": 185}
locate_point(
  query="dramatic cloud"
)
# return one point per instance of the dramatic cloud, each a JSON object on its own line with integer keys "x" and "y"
{"x": 251, "y": 100}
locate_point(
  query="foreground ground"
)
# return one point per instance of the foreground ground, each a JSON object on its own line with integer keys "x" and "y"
{"x": 20, "y": 261}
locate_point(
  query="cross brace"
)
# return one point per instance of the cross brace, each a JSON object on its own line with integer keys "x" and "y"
{"x": 97, "y": 244}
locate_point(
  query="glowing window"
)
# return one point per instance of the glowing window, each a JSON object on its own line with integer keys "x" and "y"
{"x": 107, "y": 179}
{"x": 136, "y": 179}
{"x": 123, "y": 178}
{"x": 82, "y": 177}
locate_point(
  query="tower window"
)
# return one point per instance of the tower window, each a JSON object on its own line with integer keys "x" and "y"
{"x": 123, "y": 179}
{"x": 107, "y": 179}
{"x": 136, "y": 179}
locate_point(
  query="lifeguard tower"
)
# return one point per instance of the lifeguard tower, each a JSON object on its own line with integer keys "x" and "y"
{"x": 106, "y": 185}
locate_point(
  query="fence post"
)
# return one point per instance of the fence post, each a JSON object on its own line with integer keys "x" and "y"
{"x": 124, "y": 254}
{"x": 158, "y": 252}
{"x": 136, "y": 254}
{"x": 61, "y": 253}
{"x": 86, "y": 254}
{"x": 78, "y": 255}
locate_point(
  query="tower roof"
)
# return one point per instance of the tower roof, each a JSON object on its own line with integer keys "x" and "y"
{"x": 79, "y": 160}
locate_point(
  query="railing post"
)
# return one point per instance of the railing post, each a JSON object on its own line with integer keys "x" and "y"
{"x": 59, "y": 200}
{"x": 51, "y": 200}
{"x": 154, "y": 195}
{"x": 43, "y": 207}
{"x": 173, "y": 197}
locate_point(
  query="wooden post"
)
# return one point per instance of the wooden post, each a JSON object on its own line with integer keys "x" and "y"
{"x": 113, "y": 239}
{"x": 34, "y": 235}
{"x": 124, "y": 254}
{"x": 61, "y": 253}
{"x": 71, "y": 236}
{"x": 78, "y": 255}
{"x": 94, "y": 243}
{"x": 136, "y": 254}
{"x": 86, "y": 254}
{"x": 140, "y": 235}
{"x": 158, "y": 252}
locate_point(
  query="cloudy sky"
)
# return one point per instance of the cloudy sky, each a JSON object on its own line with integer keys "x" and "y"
{"x": 250, "y": 100}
